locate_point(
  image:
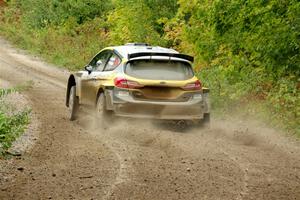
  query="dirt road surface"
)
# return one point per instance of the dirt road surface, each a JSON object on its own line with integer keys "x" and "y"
{"x": 138, "y": 159}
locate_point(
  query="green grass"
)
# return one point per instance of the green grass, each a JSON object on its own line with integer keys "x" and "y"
{"x": 11, "y": 127}
{"x": 18, "y": 88}
{"x": 56, "y": 45}
{"x": 12, "y": 124}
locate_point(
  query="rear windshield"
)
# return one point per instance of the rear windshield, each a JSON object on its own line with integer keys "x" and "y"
{"x": 159, "y": 70}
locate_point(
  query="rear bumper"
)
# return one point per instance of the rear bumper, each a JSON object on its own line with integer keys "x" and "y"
{"x": 157, "y": 111}
{"x": 126, "y": 105}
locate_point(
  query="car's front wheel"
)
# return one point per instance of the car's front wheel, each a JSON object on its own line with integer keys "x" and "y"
{"x": 73, "y": 103}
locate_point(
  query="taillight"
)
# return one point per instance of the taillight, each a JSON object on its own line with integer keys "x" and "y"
{"x": 193, "y": 86}
{"x": 124, "y": 83}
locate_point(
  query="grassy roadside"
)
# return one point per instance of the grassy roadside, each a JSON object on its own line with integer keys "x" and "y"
{"x": 13, "y": 121}
{"x": 71, "y": 47}
{"x": 278, "y": 106}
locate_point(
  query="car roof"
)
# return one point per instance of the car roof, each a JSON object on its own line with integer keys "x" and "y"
{"x": 124, "y": 50}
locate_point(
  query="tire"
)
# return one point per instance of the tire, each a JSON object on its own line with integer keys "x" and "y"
{"x": 205, "y": 122}
{"x": 73, "y": 103}
{"x": 103, "y": 116}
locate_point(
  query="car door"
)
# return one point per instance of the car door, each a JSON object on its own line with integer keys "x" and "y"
{"x": 90, "y": 81}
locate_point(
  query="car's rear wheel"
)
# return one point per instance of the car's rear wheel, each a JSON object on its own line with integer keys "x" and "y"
{"x": 73, "y": 103}
{"x": 103, "y": 116}
{"x": 205, "y": 122}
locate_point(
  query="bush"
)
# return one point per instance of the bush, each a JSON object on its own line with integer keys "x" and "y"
{"x": 11, "y": 127}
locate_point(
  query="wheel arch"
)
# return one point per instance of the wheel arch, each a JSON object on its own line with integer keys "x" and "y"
{"x": 71, "y": 82}
{"x": 108, "y": 95}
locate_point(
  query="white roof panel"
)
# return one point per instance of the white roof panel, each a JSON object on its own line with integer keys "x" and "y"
{"x": 130, "y": 49}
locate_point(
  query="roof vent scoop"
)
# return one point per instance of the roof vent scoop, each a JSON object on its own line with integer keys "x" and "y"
{"x": 137, "y": 44}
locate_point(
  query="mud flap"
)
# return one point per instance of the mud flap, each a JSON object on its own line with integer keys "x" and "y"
{"x": 109, "y": 99}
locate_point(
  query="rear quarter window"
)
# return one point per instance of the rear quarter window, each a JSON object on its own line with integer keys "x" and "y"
{"x": 159, "y": 70}
{"x": 113, "y": 62}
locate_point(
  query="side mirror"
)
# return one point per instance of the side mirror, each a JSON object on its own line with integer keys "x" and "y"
{"x": 88, "y": 68}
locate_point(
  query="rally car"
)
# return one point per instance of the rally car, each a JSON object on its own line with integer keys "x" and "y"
{"x": 140, "y": 81}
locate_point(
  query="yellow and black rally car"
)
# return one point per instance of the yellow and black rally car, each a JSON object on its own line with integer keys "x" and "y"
{"x": 141, "y": 81}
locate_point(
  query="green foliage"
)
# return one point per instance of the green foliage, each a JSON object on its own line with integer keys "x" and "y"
{"x": 247, "y": 51}
{"x": 140, "y": 20}
{"x": 4, "y": 92}
{"x": 12, "y": 124}
{"x": 284, "y": 103}
{"x": 40, "y": 13}
{"x": 18, "y": 88}
{"x": 263, "y": 33}
{"x": 133, "y": 26}
{"x": 12, "y": 127}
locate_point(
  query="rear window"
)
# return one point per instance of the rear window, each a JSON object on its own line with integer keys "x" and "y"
{"x": 159, "y": 70}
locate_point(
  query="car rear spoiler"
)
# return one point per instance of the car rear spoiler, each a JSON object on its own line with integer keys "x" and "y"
{"x": 175, "y": 55}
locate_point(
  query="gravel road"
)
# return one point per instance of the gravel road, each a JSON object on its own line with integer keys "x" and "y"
{"x": 137, "y": 159}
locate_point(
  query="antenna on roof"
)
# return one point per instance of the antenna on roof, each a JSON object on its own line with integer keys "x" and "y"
{"x": 137, "y": 44}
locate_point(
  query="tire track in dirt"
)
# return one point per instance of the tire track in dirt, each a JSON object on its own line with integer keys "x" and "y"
{"x": 156, "y": 157}
{"x": 120, "y": 149}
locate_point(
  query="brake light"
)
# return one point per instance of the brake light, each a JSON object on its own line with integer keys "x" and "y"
{"x": 193, "y": 86}
{"x": 124, "y": 83}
